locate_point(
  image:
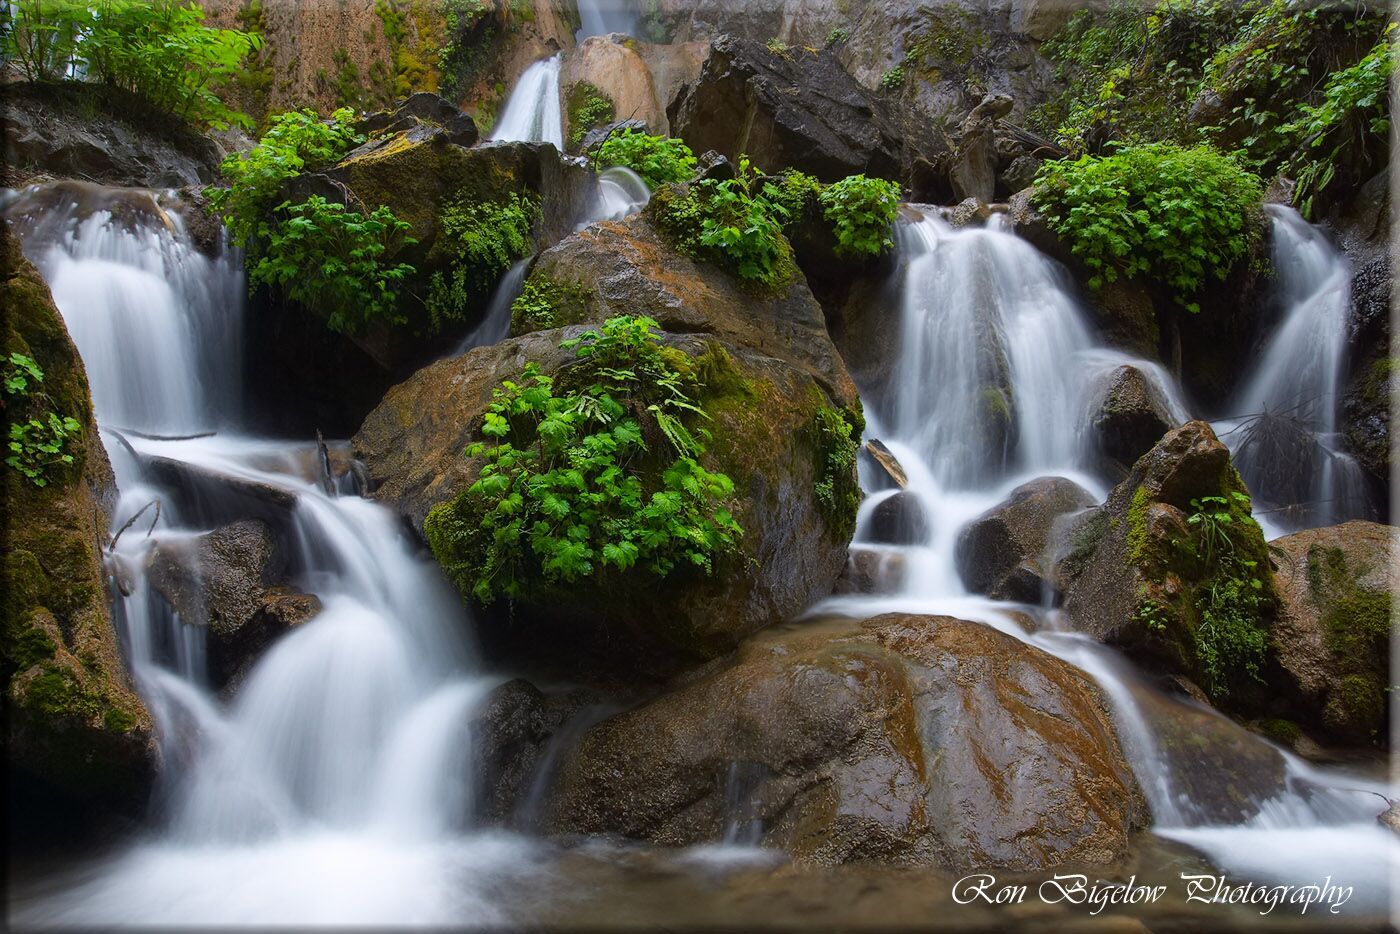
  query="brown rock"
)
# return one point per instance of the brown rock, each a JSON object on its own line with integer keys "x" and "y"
{"x": 1131, "y": 417}
{"x": 900, "y": 739}
{"x": 1003, "y": 552}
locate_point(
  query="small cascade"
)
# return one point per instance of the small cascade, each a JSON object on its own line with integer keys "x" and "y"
{"x": 495, "y": 324}
{"x": 602, "y": 17}
{"x": 532, "y": 112}
{"x": 984, "y": 316}
{"x": 619, "y": 192}
{"x": 1283, "y": 425}
{"x": 328, "y": 783}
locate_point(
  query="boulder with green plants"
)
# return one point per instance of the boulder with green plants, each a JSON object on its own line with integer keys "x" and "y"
{"x": 1174, "y": 570}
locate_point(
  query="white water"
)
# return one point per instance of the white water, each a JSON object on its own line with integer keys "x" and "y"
{"x": 619, "y": 192}
{"x": 601, "y": 17}
{"x": 1298, "y": 375}
{"x": 532, "y": 112}
{"x": 334, "y": 786}
{"x": 968, "y": 300}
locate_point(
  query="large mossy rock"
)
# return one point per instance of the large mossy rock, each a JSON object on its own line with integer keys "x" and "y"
{"x": 801, "y": 110}
{"x": 1332, "y": 639}
{"x": 899, "y": 739}
{"x": 1003, "y": 552}
{"x": 1134, "y": 577}
{"x": 78, "y": 738}
{"x": 770, "y": 372}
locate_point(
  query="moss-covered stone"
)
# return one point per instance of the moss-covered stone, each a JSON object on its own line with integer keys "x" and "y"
{"x": 75, "y": 728}
{"x": 546, "y": 302}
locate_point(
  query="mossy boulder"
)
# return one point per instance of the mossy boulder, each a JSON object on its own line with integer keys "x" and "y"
{"x": 1137, "y": 574}
{"x": 1332, "y": 639}
{"x": 77, "y": 732}
{"x": 907, "y": 740}
{"x": 773, "y": 387}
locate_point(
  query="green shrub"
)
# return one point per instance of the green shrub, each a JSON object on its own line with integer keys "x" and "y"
{"x": 158, "y": 49}
{"x": 297, "y": 141}
{"x": 588, "y": 475}
{"x": 587, "y": 107}
{"x": 837, "y": 36}
{"x": 546, "y": 303}
{"x": 1172, "y": 215}
{"x": 729, "y": 225}
{"x": 793, "y": 193}
{"x": 39, "y": 443}
{"x": 659, "y": 160}
{"x": 483, "y": 239}
{"x": 892, "y": 79}
{"x": 861, "y": 212}
{"x": 335, "y": 262}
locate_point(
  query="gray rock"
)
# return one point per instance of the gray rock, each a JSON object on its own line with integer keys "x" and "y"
{"x": 899, "y": 519}
{"x": 1003, "y": 552}
{"x": 1130, "y": 417}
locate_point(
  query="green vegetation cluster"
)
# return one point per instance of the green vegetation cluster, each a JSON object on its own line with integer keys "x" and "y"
{"x": 1288, "y": 88}
{"x": 482, "y": 239}
{"x": 339, "y": 263}
{"x": 659, "y": 160}
{"x": 589, "y": 474}
{"x": 838, "y": 442}
{"x": 546, "y": 302}
{"x": 587, "y": 107}
{"x": 160, "y": 50}
{"x": 39, "y": 438}
{"x": 470, "y": 31}
{"x": 861, "y": 212}
{"x": 1177, "y": 216}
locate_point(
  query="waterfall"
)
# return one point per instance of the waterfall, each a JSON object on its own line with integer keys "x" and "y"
{"x": 1283, "y": 425}
{"x": 618, "y": 193}
{"x": 601, "y": 17}
{"x": 334, "y": 783}
{"x": 532, "y": 112}
{"x": 983, "y": 313}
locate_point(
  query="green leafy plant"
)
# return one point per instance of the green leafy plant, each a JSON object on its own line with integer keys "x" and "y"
{"x": 893, "y": 79}
{"x": 659, "y": 160}
{"x": 587, "y": 107}
{"x": 546, "y": 302}
{"x": 1176, "y": 216}
{"x": 158, "y": 49}
{"x": 297, "y": 141}
{"x": 777, "y": 47}
{"x": 19, "y": 371}
{"x": 483, "y": 238}
{"x": 1230, "y": 642}
{"x": 837, "y": 36}
{"x": 838, "y": 491}
{"x": 39, "y": 444}
{"x": 336, "y": 262}
{"x": 588, "y": 475}
{"x": 793, "y": 193}
{"x": 861, "y": 212}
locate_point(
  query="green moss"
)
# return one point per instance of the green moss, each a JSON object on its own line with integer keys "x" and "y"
{"x": 722, "y": 223}
{"x": 1356, "y": 627}
{"x": 587, "y": 107}
{"x": 480, "y": 239}
{"x": 118, "y": 721}
{"x": 1284, "y": 732}
{"x": 546, "y": 302}
{"x": 1137, "y": 527}
{"x": 837, "y": 433}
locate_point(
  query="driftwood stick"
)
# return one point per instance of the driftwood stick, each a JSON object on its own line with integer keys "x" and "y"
{"x": 150, "y": 437}
{"x": 129, "y": 522}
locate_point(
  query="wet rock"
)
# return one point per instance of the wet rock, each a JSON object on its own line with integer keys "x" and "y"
{"x": 774, "y": 368}
{"x": 974, "y": 157}
{"x": 899, "y": 520}
{"x": 594, "y": 137}
{"x": 714, "y": 167}
{"x": 1020, "y": 173}
{"x": 612, "y": 65}
{"x": 970, "y": 212}
{"x": 800, "y": 110}
{"x": 208, "y": 497}
{"x": 1003, "y": 552}
{"x": 1126, "y": 315}
{"x": 1131, "y": 417}
{"x": 508, "y": 729}
{"x": 900, "y": 739}
{"x": 100, "y": 134}
{"x": 871, "y": 570}
{"x": 1390, "y": 817}
{"x": 1132, "y": 574}
{"x": 1332, "y": 638}
{"x": 78, "y": 739}
{"x": 1366, "y": 417}
{"x": 423, "y": 110}
{"x": 1031, "y": 226}
{"x": 230, "y": 581}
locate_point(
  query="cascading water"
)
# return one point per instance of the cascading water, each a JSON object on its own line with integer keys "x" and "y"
{"x": 532, "y": 112}
{"x": 987, "y": 317}
{"x": 601, "y": 17}
{"x": 333, "y": 785}
{"x": 1283, "y": 425}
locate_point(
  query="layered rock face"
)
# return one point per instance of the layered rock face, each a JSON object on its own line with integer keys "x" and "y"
{"x": 902, "y": 739}
{"x": 78, "y": 739}
{"x": 769, "y": 370}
